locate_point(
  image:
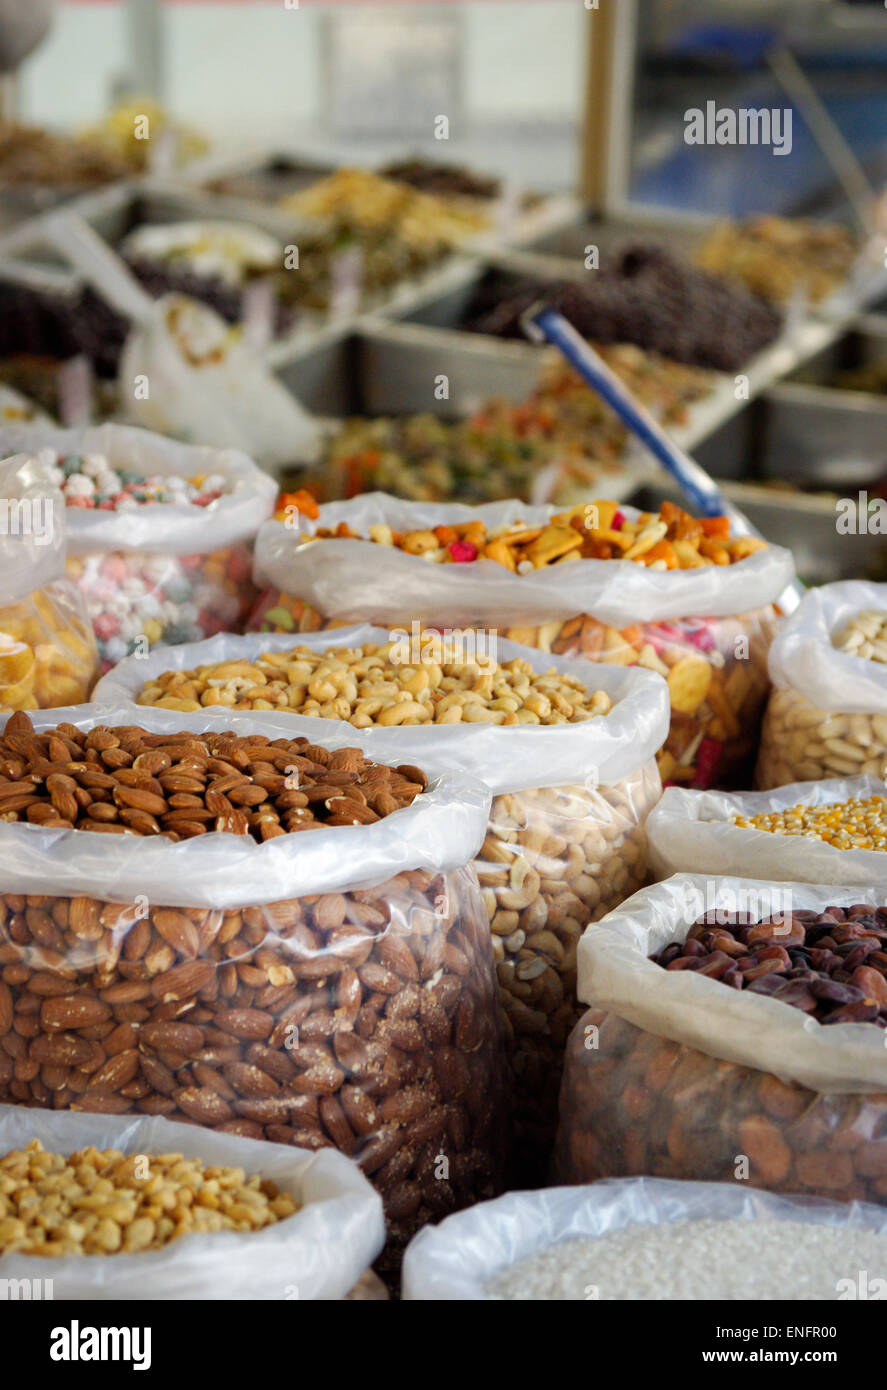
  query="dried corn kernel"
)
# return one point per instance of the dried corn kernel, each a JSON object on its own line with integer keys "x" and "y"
{"x": 853, "y": 824}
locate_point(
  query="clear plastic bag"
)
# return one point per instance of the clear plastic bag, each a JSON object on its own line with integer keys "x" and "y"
{"x": 556, "y": 854}
{"x": 827, "y": 713}
{"x": 611, "y": 611}
{"x": 674, "y": 1075}
{"x": 319, "y": 1251}
{"x": 162, "y": 571}
{"x": 691, "y": 832}
{"x": 47, "y": 649}
{"x": 554, "y": 859}
{"x": 459, "y": 1258}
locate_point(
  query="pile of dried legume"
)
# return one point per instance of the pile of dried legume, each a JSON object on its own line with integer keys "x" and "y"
{"x": 858, "y": 823}
{"x": 101, "y": 1202}
{"x": 865, "y": 635}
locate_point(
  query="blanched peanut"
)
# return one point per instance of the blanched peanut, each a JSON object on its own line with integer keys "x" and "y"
{"x": 56, "y": 1205}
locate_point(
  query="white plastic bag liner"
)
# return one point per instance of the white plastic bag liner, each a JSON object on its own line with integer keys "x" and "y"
{"x": 32, "y": 526}
{"x": 207, "y": 383}
{"x": 505, "y": 759}
{"x": 690, "y": 832}
{"x": 459, "y": 1258}
{"x": 175, "y": 528}
{"x": 321, "y": 1250}
{"x": 363, "y": 581}
{"x": 734, "y": 1025}
{"x": 802, "y": 657}
{"x": 442, "y": 830}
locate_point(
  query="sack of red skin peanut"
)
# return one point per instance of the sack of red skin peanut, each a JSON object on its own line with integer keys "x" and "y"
{"x": 827, "y": 712}
{"x": 565, "y": 840}
{"x": 693, "y": 832}
{"x": 674, "y": 1074}
{"x": 320, "y": 1250}
{"x": 152, "y": 572}
{"x": 334, "y": 988}
{"x": 706, "y": 630}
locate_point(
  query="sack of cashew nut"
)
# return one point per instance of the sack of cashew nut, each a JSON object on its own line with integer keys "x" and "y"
{"x": 329, "y": 988}
{"x": 827, "y": 712}
{"x": 697, "y": 832}
{"x": 673, "y": 1073}
{"x": 47, "y": 650}
{"x": 705, "y": 628}
{"x": 565, "y": 841}
{"x": 159, "y": 533}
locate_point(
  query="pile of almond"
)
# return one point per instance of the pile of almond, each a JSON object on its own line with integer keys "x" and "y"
{"x": 125, "y": 780}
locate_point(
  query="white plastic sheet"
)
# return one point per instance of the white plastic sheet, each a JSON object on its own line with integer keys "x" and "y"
{"x": 691, "y": 832}
{"x": 173, "y": 528}
{"x": 611, "y": 746}
{"x": 735, "y": 1025}
{"x": 459, "y": 1258}
{"x": 32, "y": 525}
{"x": 318, "y": 1253}
{"x": 366, "y": 582}
{"x": 443, "y": 829}
{"x": 802, "y": 656}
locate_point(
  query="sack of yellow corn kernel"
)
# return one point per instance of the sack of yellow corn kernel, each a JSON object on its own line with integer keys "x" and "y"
{"x": 317, "y": 1252}
{"x": 678, "y": 1073}
{"x": 159, "y": 533}
{"x": 833, "y": 831}
{"x": 578, "y": 583}
{"x": 572, "y": 786}
{"x": 47, "y": 649}
{"x": 827, "y": 713}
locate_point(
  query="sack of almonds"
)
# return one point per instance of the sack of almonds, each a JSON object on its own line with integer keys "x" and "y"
{"x": 603, "y": 581}
{"x": 736, "y": 1034}
{"x": 566, "y": 747}
{"x": 827, "y": 713}
{"x": 833, "y": 831}
{"x": 276, "y": 937}
{"x": 47, "y": 650}
{"x": 275, "y": 1222}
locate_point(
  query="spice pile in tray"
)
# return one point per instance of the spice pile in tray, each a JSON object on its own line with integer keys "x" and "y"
{"x": 561, "y": 437}
{"x": 641, "y": 294}
{"x": 777, "y": 257}
{"x": 590, "y": 531}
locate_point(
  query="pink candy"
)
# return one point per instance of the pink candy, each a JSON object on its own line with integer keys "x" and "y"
{"x": 462, "y": 551}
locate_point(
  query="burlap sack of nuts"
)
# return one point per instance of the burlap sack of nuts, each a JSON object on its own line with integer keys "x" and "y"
{"x": 565, "y": 841}
{"x": 48, "y": 653}
{"x": 827, "y": 713}
{"x": 317, "y": 1253}
{"x": 694, "y": 833}
{"x": 673, "y": 1074}
{"x": 330, "y": 989}
{"x": 705, "y": 630}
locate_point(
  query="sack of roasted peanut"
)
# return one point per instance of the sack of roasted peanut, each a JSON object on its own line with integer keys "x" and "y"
{"x": 736, "y": 1034}
{"x": 47, "y": 649}
{"x": 673, "y": 594}
{"x": 807, "y": 832}
{"x": 96, "y": 1206}
{"x": 169, "y": 947}
{"x": 159, "y": 533}
{"x": 827, "y": 712}
{"x": 566, "y": 747}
